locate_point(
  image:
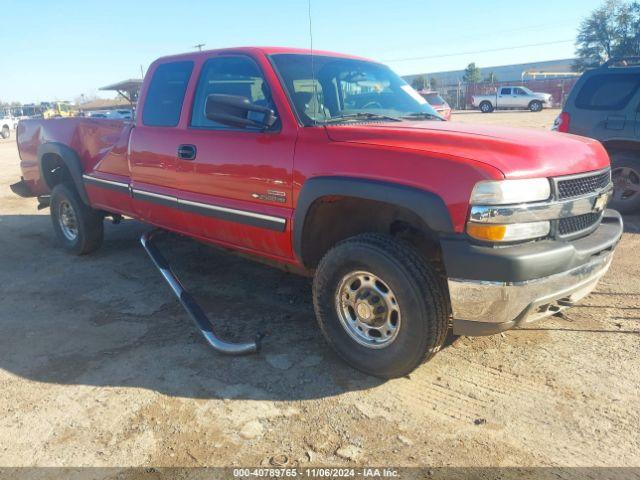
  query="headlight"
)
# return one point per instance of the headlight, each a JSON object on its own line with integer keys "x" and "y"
{"x": 504, "y": 192}
{"x": 512, "y": 232}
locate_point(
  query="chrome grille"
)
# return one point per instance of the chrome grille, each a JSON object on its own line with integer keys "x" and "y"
{"x": 583, "y": 185}
{"x": 570, "y": 225}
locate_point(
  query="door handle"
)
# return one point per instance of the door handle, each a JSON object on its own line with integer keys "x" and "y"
{"x": 187, "y": 152}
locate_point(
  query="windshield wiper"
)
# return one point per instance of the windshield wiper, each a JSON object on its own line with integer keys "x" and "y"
{"x": 422, "y": 115}
{"x": 362, "y": 116}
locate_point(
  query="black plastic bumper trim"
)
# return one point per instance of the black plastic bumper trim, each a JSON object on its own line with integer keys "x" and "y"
{"x": 518, "y": 263}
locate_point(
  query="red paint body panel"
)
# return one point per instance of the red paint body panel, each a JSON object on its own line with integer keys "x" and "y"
{"x": 231, "y": 167}
{"x": 92, "y": 138}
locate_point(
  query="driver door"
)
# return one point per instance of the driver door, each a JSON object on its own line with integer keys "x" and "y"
{"x": 236, "y": 181}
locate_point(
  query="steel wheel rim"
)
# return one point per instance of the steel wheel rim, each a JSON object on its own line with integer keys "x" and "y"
{"x": 368, "y": 309}
{"x": 67, "y": 220}
{"x": 626, "y": 183}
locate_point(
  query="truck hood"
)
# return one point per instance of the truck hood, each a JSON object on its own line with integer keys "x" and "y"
{"x": 517, "y": 153}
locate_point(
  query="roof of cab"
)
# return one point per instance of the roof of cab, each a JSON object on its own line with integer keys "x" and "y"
{"x": 254, "y": 51}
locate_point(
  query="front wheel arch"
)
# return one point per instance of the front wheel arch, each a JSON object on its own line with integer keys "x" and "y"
{"x": 418, "y": 209}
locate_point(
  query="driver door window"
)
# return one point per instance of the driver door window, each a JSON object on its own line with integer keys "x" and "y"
{"x": 238, "y": 76}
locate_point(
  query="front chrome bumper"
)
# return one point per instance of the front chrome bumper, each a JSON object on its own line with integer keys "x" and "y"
{"x": 484, "y": 308}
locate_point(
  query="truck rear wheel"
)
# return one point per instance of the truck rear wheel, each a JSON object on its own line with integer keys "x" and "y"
{"x": 625, "y": 173}
{"x": 486, "y": 107}
{"x": 79, "y": 228}
{"x": 380, "y": 305}
{"x": 5, "y": 132}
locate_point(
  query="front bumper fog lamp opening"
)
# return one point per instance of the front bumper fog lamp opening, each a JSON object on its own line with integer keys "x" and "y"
{"x": 509, "y": 232}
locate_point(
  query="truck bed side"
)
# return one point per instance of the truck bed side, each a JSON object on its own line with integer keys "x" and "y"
{"x": 90, "y": 138}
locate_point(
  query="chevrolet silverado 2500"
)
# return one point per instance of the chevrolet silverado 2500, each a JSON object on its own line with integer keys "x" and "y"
{"x": 412, "y": 226}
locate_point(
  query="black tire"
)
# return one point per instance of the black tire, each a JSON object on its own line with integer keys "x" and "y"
{"x": 625, "y": 173}
{"x": 88, "y": 223}
{"x": 535, "y": 106}
{"x": 5, "y": 133}
{"x": 421, "y": 297}
{"x": 486, "y": 107}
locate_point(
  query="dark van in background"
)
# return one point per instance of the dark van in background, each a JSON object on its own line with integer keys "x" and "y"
{"x": 605, "y": 105}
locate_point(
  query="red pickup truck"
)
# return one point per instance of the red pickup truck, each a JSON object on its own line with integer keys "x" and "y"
{"x": 411, "y": 225}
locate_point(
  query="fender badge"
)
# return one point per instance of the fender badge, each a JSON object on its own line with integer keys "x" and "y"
{"x": 271, "y": 196}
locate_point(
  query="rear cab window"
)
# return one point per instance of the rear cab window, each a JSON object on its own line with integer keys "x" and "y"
{"x": 163, "y": 103}
{"x": 608, "y": 91}
{"x": 505, "y": 91}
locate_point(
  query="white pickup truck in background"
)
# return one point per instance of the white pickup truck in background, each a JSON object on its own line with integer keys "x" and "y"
{"x": 7, "y": 123}
{"x": 512, "y": 97}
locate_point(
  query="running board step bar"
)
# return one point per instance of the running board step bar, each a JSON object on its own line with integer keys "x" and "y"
{"x": 191, "y": 306}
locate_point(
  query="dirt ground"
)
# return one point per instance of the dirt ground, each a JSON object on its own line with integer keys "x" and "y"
{"x": 99, "y": 365}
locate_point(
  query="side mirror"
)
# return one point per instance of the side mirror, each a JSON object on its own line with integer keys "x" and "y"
{"x": 238, "y": 111}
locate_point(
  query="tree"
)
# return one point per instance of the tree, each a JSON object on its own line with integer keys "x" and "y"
{"x": 612, "y": 30}
{"x": 472, "y": 74}
{"x": 419, "y": 82}
{"x": 491, "y": 78}
{"x": 433, "y": 83}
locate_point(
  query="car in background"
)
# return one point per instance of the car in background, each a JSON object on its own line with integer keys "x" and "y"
{"x": 57, "y": 110}
{"x": 120, "y": 114}
{"x": 512, "y": 97}
{"x": 7, "y": 123}
{"x": 438, "y": 103}
{"x": 605, "y": 105}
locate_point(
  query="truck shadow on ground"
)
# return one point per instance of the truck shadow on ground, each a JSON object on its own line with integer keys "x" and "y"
{"x": 108, "y": 319}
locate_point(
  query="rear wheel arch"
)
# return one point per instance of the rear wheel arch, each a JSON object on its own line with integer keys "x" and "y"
{"x": 53, "y": 155}
{"x": 615, "y": 146}
{"x": 331, "y": 209}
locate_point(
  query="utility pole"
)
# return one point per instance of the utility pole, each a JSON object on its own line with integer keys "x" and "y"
{"x": 199, "y": 46}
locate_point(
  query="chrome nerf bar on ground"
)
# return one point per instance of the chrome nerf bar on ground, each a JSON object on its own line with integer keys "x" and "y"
{"x": 191, "y": 306}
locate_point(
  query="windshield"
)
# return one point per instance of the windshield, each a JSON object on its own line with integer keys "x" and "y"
{"x": 343, "y": 89}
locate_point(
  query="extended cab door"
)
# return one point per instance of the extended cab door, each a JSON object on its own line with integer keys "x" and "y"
{"x": 236, "y": 182}
{"x": 153, "y": 146}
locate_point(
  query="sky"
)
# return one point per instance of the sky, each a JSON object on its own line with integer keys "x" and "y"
{"x": 60, "y": 49}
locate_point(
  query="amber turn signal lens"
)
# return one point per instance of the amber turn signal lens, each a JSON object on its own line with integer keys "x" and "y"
{"x": 491, "y": 233}
{"x": 512, "y": 232}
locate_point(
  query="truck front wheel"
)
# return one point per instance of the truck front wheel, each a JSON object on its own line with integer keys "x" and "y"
{"x": 78, "y": 228}
{"x": 380, "y": 305}
{"x": 486, "y": 107}
{"x": 535, "y": 106}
